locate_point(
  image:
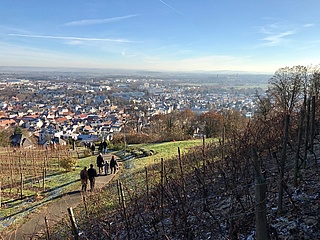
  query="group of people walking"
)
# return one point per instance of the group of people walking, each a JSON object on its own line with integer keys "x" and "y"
{"x": 102, "y": 147}
{"x": 91, "y": 173}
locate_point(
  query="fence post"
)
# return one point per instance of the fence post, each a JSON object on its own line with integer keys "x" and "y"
{"x": 73, "y": 223}
{"x": 162, "y": 188}
{"x": 260, "y": 195}
{"x": 0, "y": 193}
{"x": 85, "y": 204}
{"x": 21, "y": 186}
{"x": 312, "y": 126}
{"x": 123, "y": 205}
{"x": 43, "y": 179}
{"x": 59, "y": 161}
{"x": 282, "y": 163}
{"x": 147, "y": 181}
{"x": 47, "y": 228}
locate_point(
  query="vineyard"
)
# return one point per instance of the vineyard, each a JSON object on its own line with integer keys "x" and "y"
{"x": 24, "y": 171}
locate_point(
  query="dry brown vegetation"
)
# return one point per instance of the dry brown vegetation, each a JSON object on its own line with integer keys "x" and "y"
{"x": 215, "y": 191}
{"x": 22, "y": 170}
{"x": 209, "y": 193}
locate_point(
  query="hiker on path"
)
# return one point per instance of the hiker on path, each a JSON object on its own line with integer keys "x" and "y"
{"x": 113, "y": 165}
{"x": 93, "y": 148}
{"x": 104, "y": 146}
{"x": 106, "y": 167}
{"x": 84, "y": 179}
{"x": 100, "y": 163}
{"x": 92, "y": 173}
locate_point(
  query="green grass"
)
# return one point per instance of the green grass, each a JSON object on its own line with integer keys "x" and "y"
{"x": 165, "y": 150}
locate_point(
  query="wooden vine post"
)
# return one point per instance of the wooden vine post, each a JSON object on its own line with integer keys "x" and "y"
{"x": 162, "y": 188}
{"x": 73, "y": 224}
{"x": 21, "y": 186}
{"x": 123, "y": 205}
{"x": 147, "y": 182}
{"x": 43, "y": 179}
{"x": 299, "y": 142}
{"x": 223, "y": 141}
{"x": 182, "y": 175}
{"x": 282, "y": 162}
{"x": 47, "y": 228}
{"x": 204, "y": 190}
{"x": 307, "y": 132}
{"x": 0, "y": 193}
{"x": 260, "y": 196}
{"x": 312, "y": 126}
{"x": 118, "y": 191}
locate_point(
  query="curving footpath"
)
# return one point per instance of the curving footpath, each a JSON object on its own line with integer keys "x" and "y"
{"x": 54, "y": 211}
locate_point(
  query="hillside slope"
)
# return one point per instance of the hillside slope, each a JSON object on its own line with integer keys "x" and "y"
{"x": 197, "y": 196}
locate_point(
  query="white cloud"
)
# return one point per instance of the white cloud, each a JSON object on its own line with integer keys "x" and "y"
{"x": 15, "y": 55}
{"x": 71, "y": 38}
{"x": 276, "y": 39}
{"x": 125, "y": 53}
{"x": 87, "y": 22}
{"x": 308, "y": 25}
{"x": 171, "y": 7}
{"x": 277, "y": 34}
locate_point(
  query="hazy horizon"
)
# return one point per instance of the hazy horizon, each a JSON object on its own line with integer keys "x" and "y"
{"x": 120, "y": 70}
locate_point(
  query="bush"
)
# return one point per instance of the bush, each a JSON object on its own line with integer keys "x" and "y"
{"x": 147, "y": 153}
{"x": 116, "y": 146}
{"x": 87, "y": 152}
{"x": 135, "y": 138}
{"x": 5, "y": 137}
{"x": 136, "y": 153}
{"x": 68, "y": 163}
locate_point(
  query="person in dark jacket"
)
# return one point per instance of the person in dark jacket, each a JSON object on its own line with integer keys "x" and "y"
{"x": 84, "y": 179}
{"x": 92, "y": 173}
{"x": 93, "y": 148}
{"x": 113, "y": 165}
{"x": 104, "y": 147}
{"x": 100, "y": 163}
{"x": 106, "y": 167}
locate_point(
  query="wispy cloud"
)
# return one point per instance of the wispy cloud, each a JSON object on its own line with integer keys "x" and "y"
{"x": 308, "y": 25}
{"x": 276, "y": 39}
{"x": 16, "y": 55}
{"x": 71, "y": 38}
{"x": 171, "y": 7}
{"x": 87, "y": 22}
{"x": 278, "y": 34}
{"x": 125, "y": 53}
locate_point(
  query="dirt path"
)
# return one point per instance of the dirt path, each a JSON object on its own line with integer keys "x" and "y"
{"x": 54, "y": 211}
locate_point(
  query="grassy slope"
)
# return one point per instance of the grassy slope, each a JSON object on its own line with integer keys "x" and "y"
{"x": 165, "y": 150}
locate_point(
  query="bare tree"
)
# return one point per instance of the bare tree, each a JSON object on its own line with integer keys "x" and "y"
{"x": 287, "y": 87}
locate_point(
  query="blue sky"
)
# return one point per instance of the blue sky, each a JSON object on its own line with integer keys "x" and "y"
{"x": 173, "y": 35}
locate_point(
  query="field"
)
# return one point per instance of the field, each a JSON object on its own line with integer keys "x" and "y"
{"x": 37, "y": 190}
{"x": 33, "y": 177}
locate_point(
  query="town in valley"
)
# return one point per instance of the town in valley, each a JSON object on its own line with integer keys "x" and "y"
{"x": 91, "y": 104}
